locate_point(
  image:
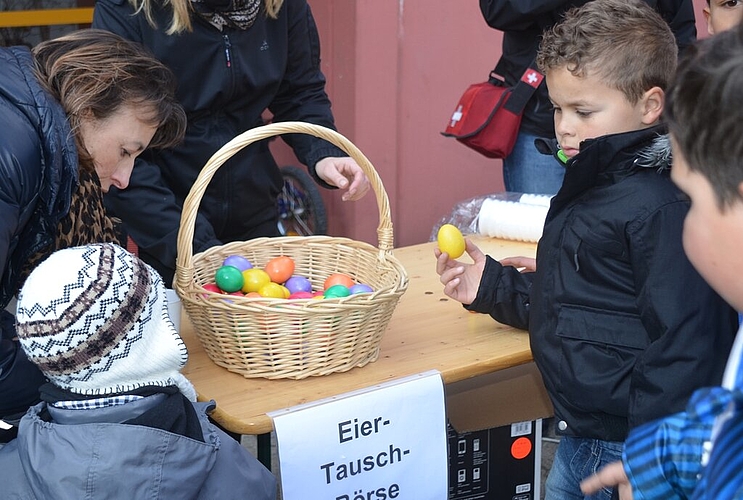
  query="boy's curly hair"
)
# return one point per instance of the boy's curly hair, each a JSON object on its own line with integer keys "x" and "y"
{"x": 625, "y": 42}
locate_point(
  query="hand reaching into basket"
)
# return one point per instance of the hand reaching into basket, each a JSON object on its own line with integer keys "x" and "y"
{"x": 461, "y": 281}
{"x": 344, "y": 173}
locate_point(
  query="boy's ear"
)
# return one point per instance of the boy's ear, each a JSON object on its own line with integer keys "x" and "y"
{"x": 710, "y": 29}
{"x": 652, "y": 101}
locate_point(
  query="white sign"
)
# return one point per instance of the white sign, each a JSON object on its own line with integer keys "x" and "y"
{"x": 384, "y": 442}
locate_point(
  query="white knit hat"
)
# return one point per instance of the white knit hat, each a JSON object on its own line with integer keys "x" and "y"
{"x": 94, "y": 319}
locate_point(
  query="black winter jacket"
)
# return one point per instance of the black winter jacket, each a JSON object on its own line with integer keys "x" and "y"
{"x": 38, "y": 171}
{"x": 522, "y": 23}
{"x": 226, "y": 80}
{"x": 622, "y": 327}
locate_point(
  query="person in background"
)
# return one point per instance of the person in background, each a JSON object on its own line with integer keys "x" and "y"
{"x": 76, "y": 111}
{"x": 698, "y": 453}
{"x": 721, "y": 15}
{"x": 118, "y": 419}
{"x": 522, "y": 22}
{"x": 233, "y": 60}
{"x": 622, "y": 327}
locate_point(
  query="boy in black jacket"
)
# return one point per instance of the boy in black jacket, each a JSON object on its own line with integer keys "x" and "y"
{"x": 623, "y": 329}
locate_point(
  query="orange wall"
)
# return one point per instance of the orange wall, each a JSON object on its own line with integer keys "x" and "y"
{"x": 395, "y": 70}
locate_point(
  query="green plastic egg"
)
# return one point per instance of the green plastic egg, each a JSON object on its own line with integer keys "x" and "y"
{"x": 336, "y": 292}
{"x": 229, "y": 278}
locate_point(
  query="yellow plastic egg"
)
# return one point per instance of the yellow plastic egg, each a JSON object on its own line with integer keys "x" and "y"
{"x": 272, "y": 290}
{"x": 254, "y": 279}
{"x": 451, "y": 241}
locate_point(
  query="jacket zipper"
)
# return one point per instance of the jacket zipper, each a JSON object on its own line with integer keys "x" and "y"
{"x": 227, "y": 47}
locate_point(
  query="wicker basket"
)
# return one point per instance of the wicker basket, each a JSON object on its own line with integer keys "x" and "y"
{"x": 279, "y": 338}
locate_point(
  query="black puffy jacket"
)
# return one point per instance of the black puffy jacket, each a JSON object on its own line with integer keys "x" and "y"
{"x": 226, "y": 80}
{"x": 38, "y": 170}
{"x": 622, "y": 327}
{"x": 522, "y": 23}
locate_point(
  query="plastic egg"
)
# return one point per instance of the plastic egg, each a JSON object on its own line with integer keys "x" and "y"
{"x": 450, "y": 241}
{"x": 280, "y": 269}
{"x": 360, "y": 288}
{"x": 298, "y": 284}
{"x": 237, "y": 261}
{"x": 272, "y": 290}
{"x": 338, "y": 279}
{"x": 336, "y": 292}
{"x": 254, "y": 279}
{"x": 229, "y": 279}
{"x": 211, "y": 287}
{"x": 301, "y": 295}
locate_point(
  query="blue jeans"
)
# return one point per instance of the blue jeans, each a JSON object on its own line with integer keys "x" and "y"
{"x": 526, "y": 170}
{"x": 575, "y": 460}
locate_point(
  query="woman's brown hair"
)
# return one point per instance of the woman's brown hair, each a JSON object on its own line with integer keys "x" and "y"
{"x": 93, "y": 73}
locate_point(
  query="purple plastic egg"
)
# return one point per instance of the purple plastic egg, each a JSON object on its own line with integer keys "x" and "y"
{"x": 298, "y": 284}
{"x": 360, "y": 288}
{"x": 238, "y": 261}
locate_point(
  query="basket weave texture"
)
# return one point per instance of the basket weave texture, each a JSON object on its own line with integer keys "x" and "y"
{"x": 294, "y": 339}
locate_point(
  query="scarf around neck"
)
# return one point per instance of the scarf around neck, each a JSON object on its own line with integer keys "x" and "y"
{"x": 237, "y": 14}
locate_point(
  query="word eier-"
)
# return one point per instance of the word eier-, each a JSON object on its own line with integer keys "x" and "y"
{"x": 350, "y": 430}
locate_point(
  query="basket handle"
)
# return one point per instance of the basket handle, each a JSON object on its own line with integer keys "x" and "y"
{"x": 184, "y": 264}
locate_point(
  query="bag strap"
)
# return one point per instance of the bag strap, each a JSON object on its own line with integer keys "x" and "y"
{"x": 524, "y": 88}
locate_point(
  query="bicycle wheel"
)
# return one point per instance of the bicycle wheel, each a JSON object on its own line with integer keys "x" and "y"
{"x": 301, "y": 208}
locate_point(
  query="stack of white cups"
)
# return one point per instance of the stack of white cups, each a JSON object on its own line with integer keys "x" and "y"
{"x": 522, "y": 220}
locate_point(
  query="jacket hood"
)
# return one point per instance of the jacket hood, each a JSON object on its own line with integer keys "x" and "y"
{"x": 657, "y": 154}
{"x": 606, "y": 148}
{"x": 38, "y": 160}
{"x": 95, "y": 460}
{"x": 19, "y": 86}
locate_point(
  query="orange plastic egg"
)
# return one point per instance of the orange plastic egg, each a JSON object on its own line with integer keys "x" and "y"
{"x": 338, "y": 279}
{"x": 280, "y": 268}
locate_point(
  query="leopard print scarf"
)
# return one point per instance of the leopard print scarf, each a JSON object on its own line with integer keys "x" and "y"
{"x": 86, "y": 222}
{"x": 237, "y": 14}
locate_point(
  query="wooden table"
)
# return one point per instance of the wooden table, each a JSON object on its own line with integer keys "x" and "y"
{"x": 428, "y": 331}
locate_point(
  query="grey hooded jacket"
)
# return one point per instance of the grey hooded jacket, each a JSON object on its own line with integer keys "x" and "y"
{"x": 87, "y": 454}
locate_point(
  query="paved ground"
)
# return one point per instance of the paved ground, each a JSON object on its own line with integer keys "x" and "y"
{"x": 549, "y": 444}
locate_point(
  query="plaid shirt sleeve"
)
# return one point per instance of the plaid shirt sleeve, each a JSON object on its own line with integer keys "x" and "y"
{"x": 664, "y": 459}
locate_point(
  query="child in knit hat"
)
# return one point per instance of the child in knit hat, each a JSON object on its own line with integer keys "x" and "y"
{"x": 118, "y": 419}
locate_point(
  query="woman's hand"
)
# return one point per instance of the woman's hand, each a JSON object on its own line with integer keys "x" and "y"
{"x": 344, "y": 173}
